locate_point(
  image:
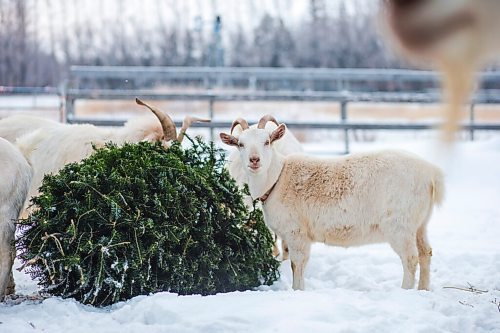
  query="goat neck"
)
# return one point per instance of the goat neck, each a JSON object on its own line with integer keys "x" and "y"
{"x": 260, "y": 183}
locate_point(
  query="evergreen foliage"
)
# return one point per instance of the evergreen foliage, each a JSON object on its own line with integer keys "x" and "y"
{"x": 139, "y": 219}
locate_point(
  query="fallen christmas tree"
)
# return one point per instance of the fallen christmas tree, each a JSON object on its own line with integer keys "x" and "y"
{"x": 139, "y": 219}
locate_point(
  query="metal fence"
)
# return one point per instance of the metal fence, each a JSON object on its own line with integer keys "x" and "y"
{"x": 257, "y": 78}
{"x": 38, "y": 100}
{"x": 343, "y": 86}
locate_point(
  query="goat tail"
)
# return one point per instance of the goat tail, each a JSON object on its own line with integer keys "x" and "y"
{"x": 437, "y": 187}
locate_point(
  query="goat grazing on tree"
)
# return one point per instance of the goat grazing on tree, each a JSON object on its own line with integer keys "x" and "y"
{"x": 50, "y": 148}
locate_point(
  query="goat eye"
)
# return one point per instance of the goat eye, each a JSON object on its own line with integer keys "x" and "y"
{"x": 241, "y": 145}
{"x": 266, "y": 143}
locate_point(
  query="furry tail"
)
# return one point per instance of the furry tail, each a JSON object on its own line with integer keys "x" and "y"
{"x": 437, "y": 187}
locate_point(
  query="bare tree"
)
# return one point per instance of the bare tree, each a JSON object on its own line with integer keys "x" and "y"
{"x": 340, "y": 36}
{"x": 241, "y": 53}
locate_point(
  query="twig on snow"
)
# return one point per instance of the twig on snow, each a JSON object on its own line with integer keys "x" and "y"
{"x": 471, "y": 289}
{"x": 497, "y": 303}
{"x": 465, "y": 303}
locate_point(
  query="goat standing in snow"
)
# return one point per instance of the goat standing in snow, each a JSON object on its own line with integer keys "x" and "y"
{"x": 15, "y": 177}
{"x": 385, "y": 196}
{"x": 286, "y": 146}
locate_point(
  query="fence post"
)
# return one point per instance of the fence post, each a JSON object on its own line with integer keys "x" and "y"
{"x": 70, "y": 108}
{"x": 61, "y": 94}
{"x": 471, "y": 121}
{"x": 69, "y": 100}
{"x": 252, "y": 83}
{"x": 211, "y": 116}
{"x": 343, "y": 119}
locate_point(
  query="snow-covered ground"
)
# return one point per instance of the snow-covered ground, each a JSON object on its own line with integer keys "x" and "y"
{"x": 347, "y": 290}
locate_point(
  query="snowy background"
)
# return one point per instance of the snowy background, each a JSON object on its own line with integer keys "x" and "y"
{"x": 347, "y": 290}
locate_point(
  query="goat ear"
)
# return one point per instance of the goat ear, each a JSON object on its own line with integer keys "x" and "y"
{"x": 229, "y": 139}
{"x": 278, "y": 133}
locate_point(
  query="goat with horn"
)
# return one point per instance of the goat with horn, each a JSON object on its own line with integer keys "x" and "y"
{"x": 50, "y": 148}
{"x": 384, "y": 196}
{"x": 168, "y": 125}
{"x": 236, "y": 165}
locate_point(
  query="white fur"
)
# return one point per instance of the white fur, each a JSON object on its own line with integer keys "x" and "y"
{"x": 286, "y": 146}
{"x": 13, "y": 127}
{"x": 384, "y": 196}
{"x": 15, "y": 177}
{"x": 49, "y": 149}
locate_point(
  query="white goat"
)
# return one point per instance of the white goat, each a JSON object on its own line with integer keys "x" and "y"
{"x": 458, "y": 36}
{"x": 15, "y": 177}
{"x": 50, "y": 149}
{"x": 14, "y": 127}
{"x": 352, "y": 200}
{"x": 286, "y": 146}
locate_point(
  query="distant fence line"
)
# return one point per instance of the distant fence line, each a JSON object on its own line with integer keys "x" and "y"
{"x": 341, "y": 97}
{"x": 267, "y": 78}
{"x": 352, "y": 85}
{"x": 341, "y": 86}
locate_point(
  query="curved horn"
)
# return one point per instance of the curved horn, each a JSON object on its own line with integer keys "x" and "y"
{"x": 167, "y": 124}
{"x": 239, "y": 121}
{"x": 263, "y": 121}
{"x": 188, "y": 121}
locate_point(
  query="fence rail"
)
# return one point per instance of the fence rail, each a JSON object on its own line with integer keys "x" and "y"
{"x": 483, "y": 97}
{"x": 351, "y": 86}
{"x": 348, "y": 86}
{"x": 38, "y": 99}
{"x": 342, "y": 98}
{"x": 259, "y": 73}
{"x": 9, "y": 91}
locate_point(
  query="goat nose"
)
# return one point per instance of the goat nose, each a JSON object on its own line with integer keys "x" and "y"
{"x": 254, "y": 159}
